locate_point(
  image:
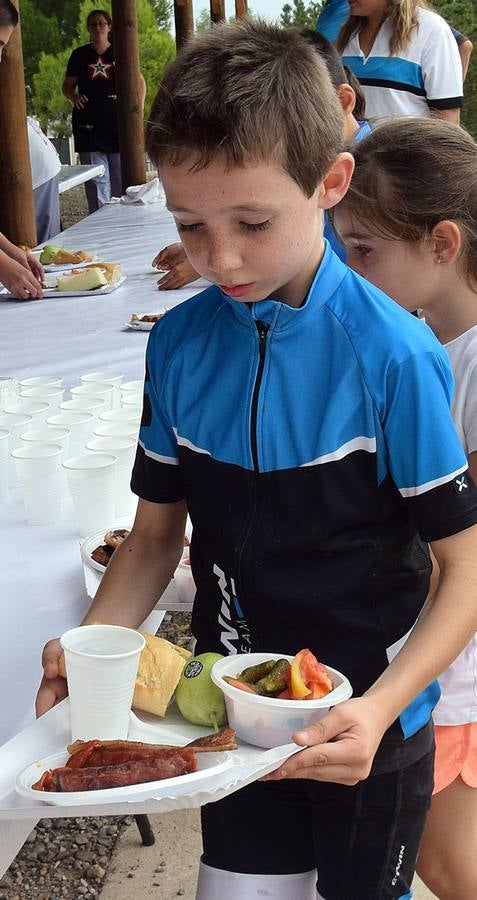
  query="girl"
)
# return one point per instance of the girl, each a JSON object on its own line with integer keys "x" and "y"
{"x": 405, "y": 57}
{"x": 409, "y": 223}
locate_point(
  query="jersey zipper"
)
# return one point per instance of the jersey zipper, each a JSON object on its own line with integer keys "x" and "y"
{"x": 262, "y": 346}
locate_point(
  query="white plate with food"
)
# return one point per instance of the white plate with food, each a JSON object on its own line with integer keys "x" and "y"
{"x": 61, "y": 267}
{"x": 94, "y": 292}
{"x": 65, "y": 258}
{"x": 208, "y": 764}
{"x": 102, "y": 545}
{"x": 146, "y": 321}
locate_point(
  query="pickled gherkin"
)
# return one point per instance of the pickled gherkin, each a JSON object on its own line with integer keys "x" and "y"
{"x": 254, "y": 673}
{"x": 275, "y": 681}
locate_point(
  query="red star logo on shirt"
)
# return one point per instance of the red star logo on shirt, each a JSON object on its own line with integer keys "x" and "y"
{"x": 99, "y": 69}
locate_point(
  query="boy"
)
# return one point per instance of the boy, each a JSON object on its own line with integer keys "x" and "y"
{"x": 286, "y": 408}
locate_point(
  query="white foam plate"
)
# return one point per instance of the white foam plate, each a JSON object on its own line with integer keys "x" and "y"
{"x": 140, "y": 325}
{"x": 54, "y": 292}
{"x": 61, "y": 267}
{"x": 90, "y": 543}
{"x": 209, "y": 764}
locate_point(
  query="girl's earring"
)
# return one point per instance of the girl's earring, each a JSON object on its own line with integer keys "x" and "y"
{"x": 440, "y": 259}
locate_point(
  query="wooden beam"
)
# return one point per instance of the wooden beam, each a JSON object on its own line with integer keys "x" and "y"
{"x": 130, "y": 107}
{"x": 17, "y": 210}
{"x": 241, "y": 8}
{"x": 183, "y": 21}
{"x": 217, "y": 10}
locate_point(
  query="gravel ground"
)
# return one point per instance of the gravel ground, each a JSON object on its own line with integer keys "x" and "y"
{"x": 70, "y": 857}
{"x": 73, "y": 206}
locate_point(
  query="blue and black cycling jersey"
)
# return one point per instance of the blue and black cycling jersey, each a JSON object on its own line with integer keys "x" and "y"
{"x": 317, "y": 455}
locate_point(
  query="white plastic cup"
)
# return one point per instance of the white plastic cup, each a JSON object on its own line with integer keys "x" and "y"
{"x": 80, "y": 424}
{"x": 117, "y": 429}
{"x": 47, "y": 435}
{"x": 132, "y": 401}
{"x": 124, "y": 449}
{"x": 41, "y": 381}
{"x": 50, "y": 393}
{"x": 124, "y": 414}
{"x": 132, "y": 387}
{"x": 105, "y": 377}
{"x": 39, "y": 474}
{"x": 94, "y": 389}
{"x": 15, "y": 424}
{"x": 91, "y": 484}
{"x": 37, "y": 409}
{"x": 88, "y": 403}
{"x": 9, "y": 391}
{"x": 101, "y": 666}
{"x": 4, "y": 439}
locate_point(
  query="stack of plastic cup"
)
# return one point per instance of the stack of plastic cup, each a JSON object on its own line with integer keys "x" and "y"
{"x": 4, "y": 438}
{"x": 39, "y": 473}
{"x": 91, "y": 484}
{"x": 49, "y": 393}
{"x": 132, "y": 401}
{"x": 101, "y": 666}
{"x": 80, "y": 424}
{"x": 117, "y": 429}
{"x": 131, "y": 387}
{"x": 9, "y": 391}
{"x": 41, "y": 381}
{"x": 15, "y": 424}
{"x": 124, "y": 449}
{"x": 105, "y": 377}
{"x": 94, "y": 389}
{"x": 120, "y": 415}
{"x": 37, "y": 409}
{"x": 88, "y": 403}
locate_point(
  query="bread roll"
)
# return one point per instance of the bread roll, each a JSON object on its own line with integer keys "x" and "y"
{"x": 160, "y": 668}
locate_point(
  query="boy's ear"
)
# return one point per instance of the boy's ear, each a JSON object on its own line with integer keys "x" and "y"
{"x": 336, "y": 181}
{"x": 446, "y": 241}
{"x": 347, "y": 98}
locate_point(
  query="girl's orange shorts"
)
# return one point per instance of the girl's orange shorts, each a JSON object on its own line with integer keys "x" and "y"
{"x": 456, "y": 754}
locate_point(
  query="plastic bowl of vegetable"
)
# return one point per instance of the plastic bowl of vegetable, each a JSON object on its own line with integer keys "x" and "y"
{"x": 268, "y": 721}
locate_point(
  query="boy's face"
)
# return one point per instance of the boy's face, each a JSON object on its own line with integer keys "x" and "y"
{"x": 250, "y": 230}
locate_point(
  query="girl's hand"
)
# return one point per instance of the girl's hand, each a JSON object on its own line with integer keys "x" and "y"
{"x": 179, "y": 270}
{"x": 19, "y": 280}
{"x": 53, "y": 687}
{"x": 340, "y": 748}
{"x": 35, "y": 267}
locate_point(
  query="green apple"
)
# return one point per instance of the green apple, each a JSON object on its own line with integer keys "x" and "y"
{"x": 199, "y": 700}
{"x": 48, "y": 254}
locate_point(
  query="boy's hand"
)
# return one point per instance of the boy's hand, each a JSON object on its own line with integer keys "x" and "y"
{"x": 53, "y": 687}
{"x": 179, "y": 270}
{"x": 340, "y": 748}
{"x": 19, "y": 280}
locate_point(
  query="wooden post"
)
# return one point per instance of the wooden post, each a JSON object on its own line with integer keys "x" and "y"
{"x": 130, "y": 107}
{"x": 183, "y": 21}
{"x": 241, "y": 8}
{"x": 217, "y": 10}
{"x": 17, "y": 210}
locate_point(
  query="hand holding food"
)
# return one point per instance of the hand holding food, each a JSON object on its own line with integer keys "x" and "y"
{"x": 340, "y": 747}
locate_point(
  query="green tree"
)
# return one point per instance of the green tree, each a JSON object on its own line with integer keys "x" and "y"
{"x": 65, "y": 13}
{"x": 39, "y": 33}
{"x": 163, "y": 13}
{"x": 156, "y": 49}
{"x": 462, "y": 14}
{"x": 300, "y": 14}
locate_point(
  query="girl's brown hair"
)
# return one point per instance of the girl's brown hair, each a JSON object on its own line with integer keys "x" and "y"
{"x": 253, "y": 92}
{"x": 402, "y": 17}
{"x": 410, "y": 174}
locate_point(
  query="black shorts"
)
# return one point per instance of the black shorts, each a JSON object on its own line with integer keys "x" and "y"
{"x": 363, "y": 840}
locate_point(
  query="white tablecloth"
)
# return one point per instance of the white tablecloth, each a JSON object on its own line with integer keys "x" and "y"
{"x": 42, "y": 585}
{"x": 72, "y": 176}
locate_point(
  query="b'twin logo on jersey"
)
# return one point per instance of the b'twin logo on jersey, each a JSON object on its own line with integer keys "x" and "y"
{"x": 235, "y": 634}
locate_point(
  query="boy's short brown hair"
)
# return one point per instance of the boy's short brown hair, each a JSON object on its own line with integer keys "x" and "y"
{"x": 254, "y": 92}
